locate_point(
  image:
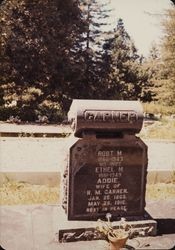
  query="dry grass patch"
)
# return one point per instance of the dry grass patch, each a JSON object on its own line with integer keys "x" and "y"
{"x": 160, "y": 191}
{"x": 19, "y": 193}
{"x": 159, "y": 130}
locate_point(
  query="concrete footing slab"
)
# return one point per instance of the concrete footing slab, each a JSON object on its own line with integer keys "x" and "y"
{"x": 72, "y": 232}
{"x": 35, "y": 227}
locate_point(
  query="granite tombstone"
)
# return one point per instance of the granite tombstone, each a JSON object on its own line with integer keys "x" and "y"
{"x": 108, "y": 164}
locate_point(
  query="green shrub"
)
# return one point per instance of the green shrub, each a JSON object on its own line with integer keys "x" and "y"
{"x": 31, "y": 114}
{"x": 53, "y": 114}
{"x": 6, "y": 112}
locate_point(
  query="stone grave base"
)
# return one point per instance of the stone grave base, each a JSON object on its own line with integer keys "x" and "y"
{"x": 36, "y": 227}
{"x": 71, "y": 231}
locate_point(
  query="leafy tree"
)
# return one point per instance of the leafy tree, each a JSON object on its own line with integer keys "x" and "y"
{"x": 39, "y": 52}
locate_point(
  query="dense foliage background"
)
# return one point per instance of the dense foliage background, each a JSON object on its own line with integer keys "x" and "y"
{"x": 52, "y": 51}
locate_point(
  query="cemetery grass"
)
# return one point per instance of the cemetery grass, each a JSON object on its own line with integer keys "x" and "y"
{"x": 155, "y": 108}
{"x": 20, "y": 193}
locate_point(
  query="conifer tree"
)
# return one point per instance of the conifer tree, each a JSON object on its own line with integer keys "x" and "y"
{"x": 122, "y": 73}
{"x": 95, "y": 15}
{"x": 167, "y": 89}
{"x": 151, "y": 67}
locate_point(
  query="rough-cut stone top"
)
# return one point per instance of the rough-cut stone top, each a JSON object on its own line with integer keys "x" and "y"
{"x": 105, "y": 116}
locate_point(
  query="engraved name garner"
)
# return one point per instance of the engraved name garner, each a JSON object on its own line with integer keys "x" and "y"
{"x": 110, "y": 116}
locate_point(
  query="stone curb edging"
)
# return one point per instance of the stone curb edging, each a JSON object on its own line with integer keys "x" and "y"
{"x": 53, "y": 178}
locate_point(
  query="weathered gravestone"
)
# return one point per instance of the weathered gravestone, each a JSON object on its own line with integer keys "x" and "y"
{"x": 108, "y": 165}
